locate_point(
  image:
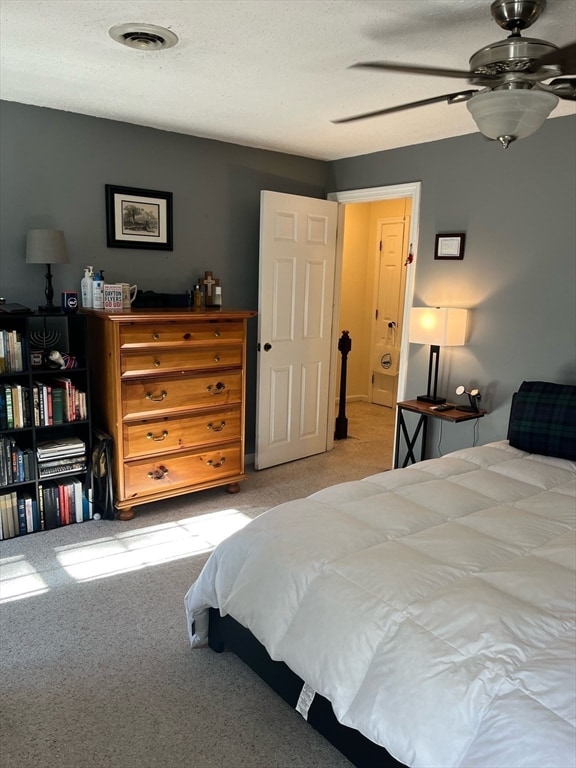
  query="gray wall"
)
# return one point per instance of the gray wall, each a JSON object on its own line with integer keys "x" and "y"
{"x": 54, "y": 168}
{"x": 517, "y": 208}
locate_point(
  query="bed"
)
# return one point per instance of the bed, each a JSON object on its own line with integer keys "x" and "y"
{"x": 422, "y": 616}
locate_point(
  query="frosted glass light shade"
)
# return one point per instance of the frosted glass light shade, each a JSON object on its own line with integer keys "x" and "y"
{"x": 438, "y": 326}
{"x": 516, "y": 113}
{"x": 46, "y": 246}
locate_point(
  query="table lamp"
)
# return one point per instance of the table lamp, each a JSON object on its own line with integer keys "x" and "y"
{"x": 47, "y": 246}
{"x": 439, "y": 327}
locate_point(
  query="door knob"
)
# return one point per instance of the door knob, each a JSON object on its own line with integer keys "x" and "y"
{"x": 267, "y": 347}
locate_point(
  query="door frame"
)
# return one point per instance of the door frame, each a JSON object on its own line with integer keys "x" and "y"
{"x": 410, "y": 190}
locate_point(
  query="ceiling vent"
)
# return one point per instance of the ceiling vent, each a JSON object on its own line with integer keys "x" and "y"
{"x": 143, "y": 37}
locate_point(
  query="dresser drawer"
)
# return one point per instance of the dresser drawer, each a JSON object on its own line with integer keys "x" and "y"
{"x": 181, "y": 433}
{"x": 177, "y": 333}
{"x": 180, "y": 359}
{"x": 144, "y": 397}
{"x": 147, "y": 477}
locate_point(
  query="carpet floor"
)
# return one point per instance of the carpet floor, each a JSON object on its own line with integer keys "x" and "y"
{"x": 95, "y": 666}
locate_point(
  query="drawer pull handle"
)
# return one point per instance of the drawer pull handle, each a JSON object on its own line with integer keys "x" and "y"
{"x": 187, "y": 336}
{"x": 156, "y": 363}
{"x": 155, "y": 336}
{"x": 217, "y": 389}
{"x": 217, "y": 427}
{"x": 159, "y": 439}
{"x": 217, "y": 334}
{"x": 216, "y": 358}
{"x": 216, "y": 464}
{"x": 159, "y": 399}
{"x": 158, "y": 474}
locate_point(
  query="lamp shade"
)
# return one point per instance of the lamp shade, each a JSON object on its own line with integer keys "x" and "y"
{"x": 438, "y": 326}
{"x": 46, "y": 246}
{"x": 514, "y": 114}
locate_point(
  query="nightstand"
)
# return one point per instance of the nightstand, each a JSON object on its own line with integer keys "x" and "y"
{"x": 425, "y": 411}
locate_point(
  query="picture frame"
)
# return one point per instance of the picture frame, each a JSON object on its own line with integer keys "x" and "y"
{"x": 450, "y": 246}
{"x": 138, "y": 218}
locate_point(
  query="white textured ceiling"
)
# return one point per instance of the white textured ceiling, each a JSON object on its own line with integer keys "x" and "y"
{"x": 261, "y": 73}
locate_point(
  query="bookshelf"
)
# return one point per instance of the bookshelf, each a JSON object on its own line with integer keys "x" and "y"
{"x": 45, "y": 422}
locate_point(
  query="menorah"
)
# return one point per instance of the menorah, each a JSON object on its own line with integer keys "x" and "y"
{"x": 45, "y": 339}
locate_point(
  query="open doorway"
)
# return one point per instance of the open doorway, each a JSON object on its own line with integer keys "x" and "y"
{"x": 377, "y": 241}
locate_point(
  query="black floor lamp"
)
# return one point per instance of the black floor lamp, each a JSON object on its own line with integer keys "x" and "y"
{"x": 439, "y": 327}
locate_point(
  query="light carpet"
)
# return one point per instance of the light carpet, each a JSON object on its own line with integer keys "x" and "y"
{"x": 95, "y": 666}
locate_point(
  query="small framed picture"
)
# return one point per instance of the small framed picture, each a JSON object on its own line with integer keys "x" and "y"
{"x": 450, "y": 246}
{"x": 138, "y": 218}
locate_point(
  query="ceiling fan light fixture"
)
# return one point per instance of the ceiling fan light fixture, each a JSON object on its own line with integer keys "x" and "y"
{"x": 511, "y": 114}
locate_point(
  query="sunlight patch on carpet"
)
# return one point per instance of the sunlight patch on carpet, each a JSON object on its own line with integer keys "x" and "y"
{"x": 123, "y": 552}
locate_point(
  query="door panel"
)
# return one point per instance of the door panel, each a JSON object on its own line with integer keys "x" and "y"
{"x": 387, "y": 330}
{"x": 297, "y": 265}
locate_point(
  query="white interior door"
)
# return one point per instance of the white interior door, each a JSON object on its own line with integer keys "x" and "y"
{"x": 296, "y": 295}
{"x": 387, "y": 325}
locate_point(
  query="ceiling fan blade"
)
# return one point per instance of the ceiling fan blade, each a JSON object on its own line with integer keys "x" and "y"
{"x": 414, "y": 69}
{"x": 450, "y": 98}
{"x": 564, "y": 88}
{"x": 564, "y": 57}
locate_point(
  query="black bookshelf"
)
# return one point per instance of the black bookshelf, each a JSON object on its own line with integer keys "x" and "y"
{"x": 39, "y": 417}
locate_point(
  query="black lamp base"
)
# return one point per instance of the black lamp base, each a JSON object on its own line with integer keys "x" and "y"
{"x": 467, "y": 409}
{"x": 431, "y": 399}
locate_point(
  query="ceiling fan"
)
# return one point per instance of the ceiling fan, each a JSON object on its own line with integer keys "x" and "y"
{"x": 513, "y": 101}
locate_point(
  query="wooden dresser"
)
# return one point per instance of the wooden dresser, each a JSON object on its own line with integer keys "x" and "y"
{"x": 169, "y": 386}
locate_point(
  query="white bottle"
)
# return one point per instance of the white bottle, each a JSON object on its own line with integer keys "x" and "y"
{"x": 98, "y": 291}
{"x": 86, "y": 285}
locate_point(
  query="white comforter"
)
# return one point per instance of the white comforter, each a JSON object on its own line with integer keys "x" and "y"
{"x": 433, "y": 605}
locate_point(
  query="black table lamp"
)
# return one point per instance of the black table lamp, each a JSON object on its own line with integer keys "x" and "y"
{"x": 47, "y": 246}
{"x": 439, "y": 327}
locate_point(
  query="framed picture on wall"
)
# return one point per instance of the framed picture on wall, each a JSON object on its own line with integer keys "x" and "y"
{"x": 450, "y": 246}
{"x": 138, "y": 218}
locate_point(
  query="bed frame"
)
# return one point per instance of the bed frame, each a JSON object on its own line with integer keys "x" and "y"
{"x": 226, "y": 633}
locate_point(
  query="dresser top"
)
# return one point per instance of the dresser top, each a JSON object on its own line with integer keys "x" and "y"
{"x": 171, "y": 313}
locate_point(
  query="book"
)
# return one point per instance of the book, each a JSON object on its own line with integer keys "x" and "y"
{"x": 35, "y": 516}
{"x": 65, "y": 469}
{"x": 57, "y": 405}
{"x": 36, "y": 406}
{"x": 29, "y": 464}
{"x": 21, "y": 506}
{"x": 3, "y": 503}
{"x": 6, "y": 446}
{"x": 54, "y": 449}
{"x": 50, "y": 419}
{"x": 42, "y": 413}
{"x": 62, "y": 461}
{"x": 41, "y": 516}
{"x": 15, "y": 406}
{"x": 20, "y": 477}
{"x": 27, "y": 407}
{"x": 88, "y": 504}
{"x": 8, "y": 528}
{"x": 14, "y": 511}
{"x": 9, "y": 407}
{"x": 28, "y": 512}
{"x": 50, "y": 502}
{"x": 2, "y": 351}
{"x": 78, "y": 500}
{"x": 62, "y": 508}
{"x": 3, "y": 422}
